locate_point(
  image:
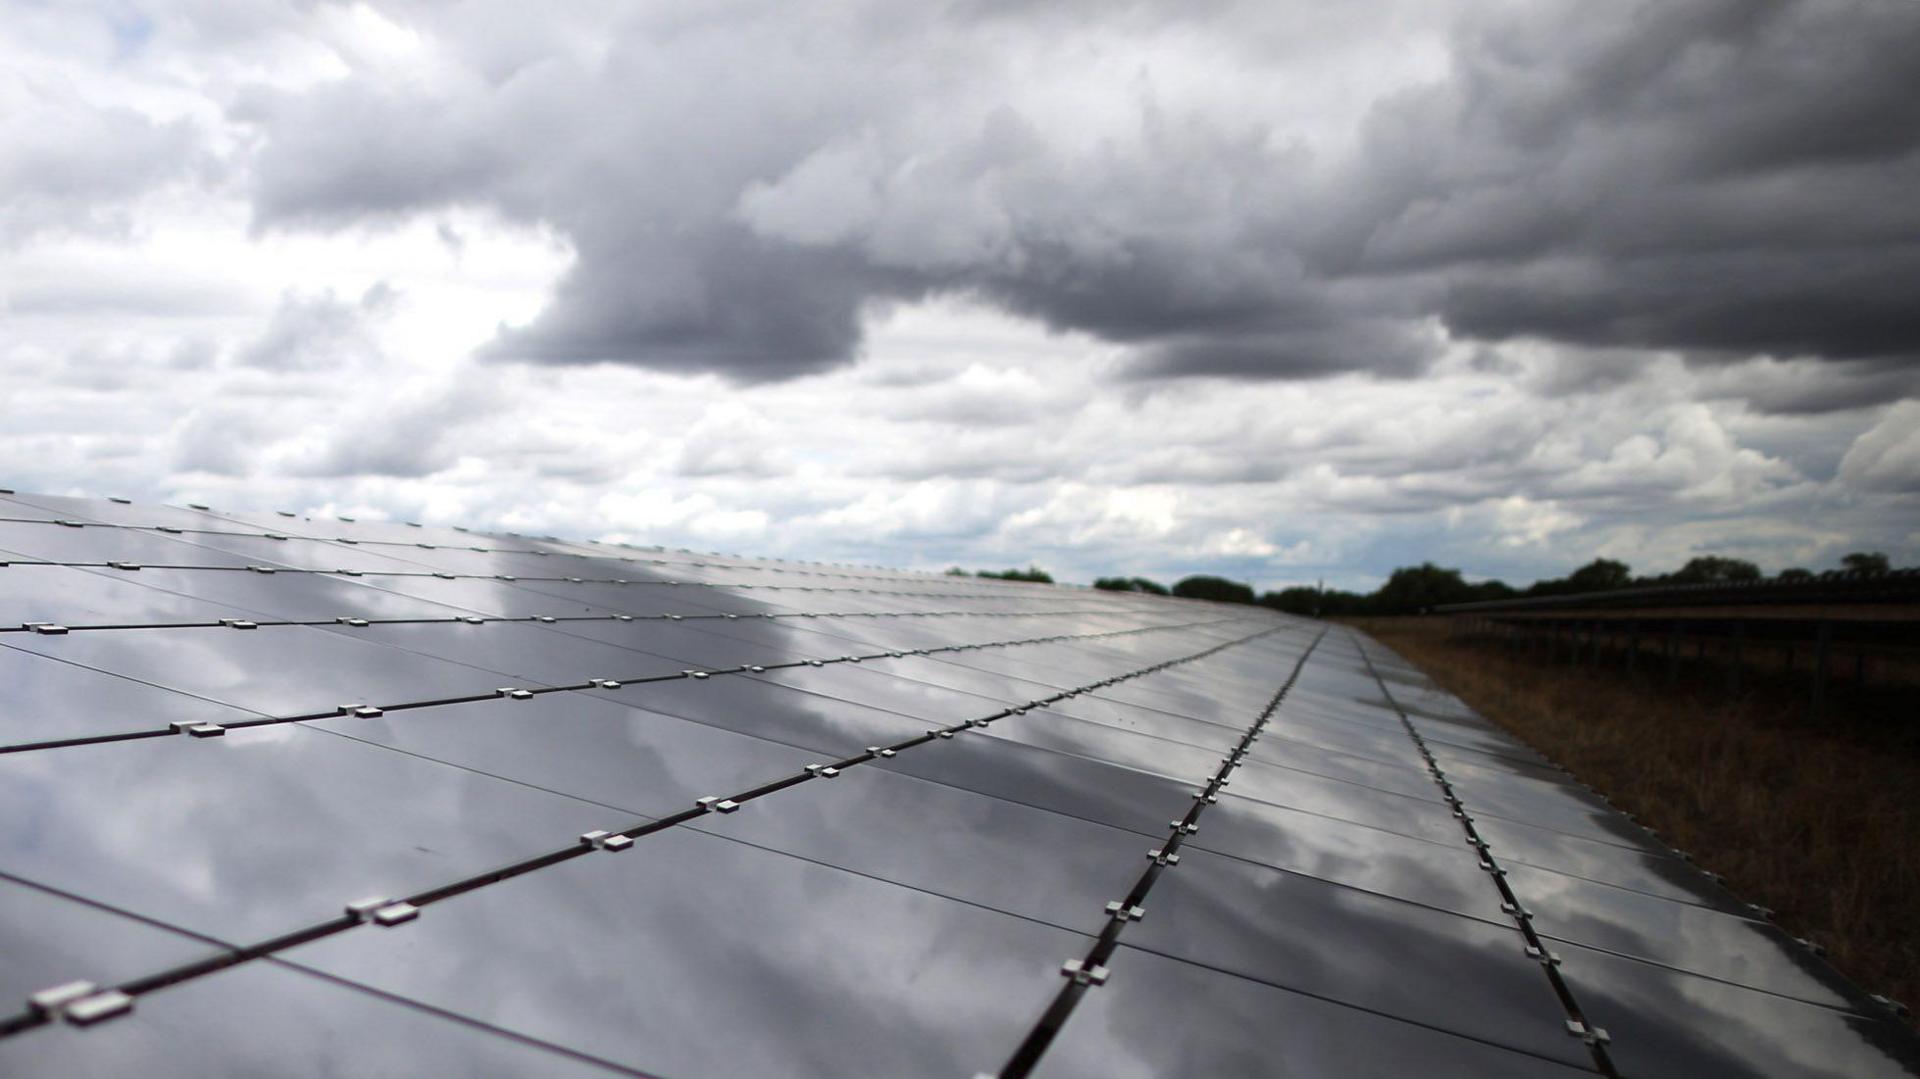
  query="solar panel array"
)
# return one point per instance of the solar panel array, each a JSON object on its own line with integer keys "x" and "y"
{"x": 297, "y": 796}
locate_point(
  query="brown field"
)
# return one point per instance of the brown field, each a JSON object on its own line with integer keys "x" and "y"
{"x": 1819, "y": 820}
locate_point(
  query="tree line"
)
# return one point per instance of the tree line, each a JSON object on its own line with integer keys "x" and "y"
{"x": 1416, "y": 588}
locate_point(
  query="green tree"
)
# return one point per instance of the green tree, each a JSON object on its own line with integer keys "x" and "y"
{"x": 1866, "y": 562}
{"x": 1218, "y": 589}
{"x": 1794, "y": 573}
{"x": 1416, "y": 588}
{"x": 1031, "y": 573}
{"x": 1600, "y": 575}
{"x": 1712, "y": 569}
{"x": 1130, "y": 584}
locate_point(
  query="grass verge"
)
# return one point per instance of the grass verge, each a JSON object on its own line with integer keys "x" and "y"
{"x": 1818, "y": 820}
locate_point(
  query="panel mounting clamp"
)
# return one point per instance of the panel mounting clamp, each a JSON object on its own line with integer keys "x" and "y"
{"x": 358, "y": 622}
{"x": 196, "y": 729}
{"x": 1083, "y": 973}
{"x": 51, "y": 629}
{"x": 81, "y": 1003}
{"x": 1161, "y": 857}
{"x": 879, "y": 752}
{"x": 716, "y": 804}
{"x": 607, "y": 841}
{"x": 123, "y": 565}
{"x": 239, "y": 623}
{"x": 382, "y": 911}
{"x": 1120, "y": 911}
{"x": 824, "y": 771}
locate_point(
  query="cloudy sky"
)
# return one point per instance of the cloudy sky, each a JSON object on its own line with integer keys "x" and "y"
{"x": 1277, "y": 290}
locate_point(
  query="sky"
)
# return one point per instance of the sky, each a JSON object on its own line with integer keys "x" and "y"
{"x": 1284, "y": 291}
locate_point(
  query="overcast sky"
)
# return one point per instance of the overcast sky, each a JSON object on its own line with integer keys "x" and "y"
{"x": 1280, "y": 290}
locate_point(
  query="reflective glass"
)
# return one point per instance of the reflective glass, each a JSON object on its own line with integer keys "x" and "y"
{"x": 50, "y": 940}
{"x": 275, "y": 670}
{"x": 699, "y": 956}
{"x": 1667, "y": 1023}
{"x": 264, "y": 831}
{"x": 1161, "y": 1017}
{"x": 1353, "y": 947}
{"x": 46, "y": 700}
{"x": 265, "y": 1018}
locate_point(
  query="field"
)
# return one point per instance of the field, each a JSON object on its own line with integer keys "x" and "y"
{"x": 1819, "y": 820}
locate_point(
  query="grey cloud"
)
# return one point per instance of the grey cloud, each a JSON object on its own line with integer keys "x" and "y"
{"x": 66, "y": 164}
{"x": 320, "y": 332}
{"x": 416, "y": 434}
{"x": 1721, "y": 178}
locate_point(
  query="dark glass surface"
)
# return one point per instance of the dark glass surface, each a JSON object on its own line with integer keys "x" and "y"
{"x": 698, "y": 956}
{"x": 1642, "y": 870}
{"x": 277, "y": 670}
{"x": 906, "y": 916}
{"x": 1161, "y": 1017}
{"x": 1357, "y": 948}
{"x": 1435, "y": 874}
{"x": 1666, "y": 1023}
{"x": 266, "y": 1019}
{"x": 643, "y": 762}
{"x": 738, "y": 703}
{"x": 862, "y": 684}
{"x": 1719, "y": 945}
{"x": 48, "y": 940}
{"x": 1061, "y": 782}
{"x": 292, "y": 597}
{"x": 1420, "y": 818}
{"x": 936, "y": 838}
{"x": 266, "y": 830}
{"x": 76, "y": 597}
{"x": 46, "y": 700}
{"x": 55, "y": 543}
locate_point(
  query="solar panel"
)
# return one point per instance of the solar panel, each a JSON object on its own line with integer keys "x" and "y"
{"x": 303, "y": 796}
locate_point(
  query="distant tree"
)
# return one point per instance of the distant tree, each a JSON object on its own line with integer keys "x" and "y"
{"x": 1866, "y": 562}
{"x": 1416, "y": 588}
{"x": 1794, "y": 573}
{"x": 1130, "y": 584}
{"x": 1296, "y": 600}
{"x": 1712, "y": 569}
{"x": 1600, "y": 575}
{"x": 1218, "y": 589}
{"x": 1031, "y": 573}
{"x": 956, "y": 571}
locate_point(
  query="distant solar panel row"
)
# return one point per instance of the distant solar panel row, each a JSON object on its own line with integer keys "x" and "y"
{"x": 294, "y": 796}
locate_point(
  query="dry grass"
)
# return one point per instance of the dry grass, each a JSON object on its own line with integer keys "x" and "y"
{"x": 1817, "y": 820}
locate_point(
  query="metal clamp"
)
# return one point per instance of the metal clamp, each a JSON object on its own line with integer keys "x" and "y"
{"x": 607, "y": 841}
{"x": 1083, "y": 973}
{"x": 879, "y": 752}
{"x": 1161, "y": 857}
{"x": 80, "y": 1003}
{"x": 713, "y": 803}
{"x": 1119, "y": 911}
{"x": 196, "y": 728}
{"x": 382, "y": 911}
{"x": 823, "y": 771}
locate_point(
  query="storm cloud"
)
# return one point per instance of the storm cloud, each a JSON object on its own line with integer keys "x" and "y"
{"x": 744, "y": 184}
{"x": 1275, "y": 290}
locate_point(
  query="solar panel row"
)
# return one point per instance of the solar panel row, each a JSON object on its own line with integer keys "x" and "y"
{"x": 375, "y": 798}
